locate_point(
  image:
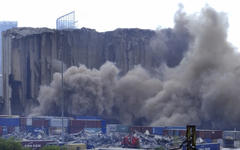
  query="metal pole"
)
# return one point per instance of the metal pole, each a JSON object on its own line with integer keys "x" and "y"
{"x": 9, "y": 51}
{"x": 62, "y": 103}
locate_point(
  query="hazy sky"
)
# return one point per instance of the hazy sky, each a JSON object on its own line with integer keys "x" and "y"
{"x": 104, "y": 15}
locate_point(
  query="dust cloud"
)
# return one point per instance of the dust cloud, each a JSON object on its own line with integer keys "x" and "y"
{"x": 202, "y": 89}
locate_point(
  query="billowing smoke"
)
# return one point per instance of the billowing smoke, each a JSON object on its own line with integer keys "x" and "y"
{"x": 202, "y": 89}
{"x": 170, "y": 45}
{"x": 99, "y": 92}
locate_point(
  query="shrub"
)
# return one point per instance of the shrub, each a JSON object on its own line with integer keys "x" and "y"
{"x": 11, "y": 144}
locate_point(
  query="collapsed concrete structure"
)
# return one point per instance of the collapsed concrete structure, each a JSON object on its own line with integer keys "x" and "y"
{"x": 32, "y": 55}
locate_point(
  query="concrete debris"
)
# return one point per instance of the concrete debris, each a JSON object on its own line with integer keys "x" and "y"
{"x": 93, "y": 139}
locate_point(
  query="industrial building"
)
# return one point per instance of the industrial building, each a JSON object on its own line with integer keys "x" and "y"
{"x": 4, "y": 25}
{"x": 32, "y": 56}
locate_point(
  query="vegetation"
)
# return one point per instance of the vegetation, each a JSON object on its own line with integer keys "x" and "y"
{"x": 11, "y": 144}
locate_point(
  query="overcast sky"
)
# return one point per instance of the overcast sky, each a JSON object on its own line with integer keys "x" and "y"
{"x": 105, "y": 15}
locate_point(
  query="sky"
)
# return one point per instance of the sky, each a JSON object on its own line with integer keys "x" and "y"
{"x": 106, "y": 15}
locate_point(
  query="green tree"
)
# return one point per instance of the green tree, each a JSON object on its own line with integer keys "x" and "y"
{"x": 10, "y": 144}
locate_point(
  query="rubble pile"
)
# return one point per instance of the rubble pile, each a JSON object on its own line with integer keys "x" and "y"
{"x": 92, "y": 139}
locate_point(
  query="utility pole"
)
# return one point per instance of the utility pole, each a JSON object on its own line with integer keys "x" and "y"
{"x": 62, "y": 100}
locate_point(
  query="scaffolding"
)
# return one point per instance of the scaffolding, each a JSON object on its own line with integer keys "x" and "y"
{"x": 66, "y": 21}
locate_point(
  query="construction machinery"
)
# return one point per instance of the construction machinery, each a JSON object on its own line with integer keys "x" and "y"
{"x": 190, "y": 139}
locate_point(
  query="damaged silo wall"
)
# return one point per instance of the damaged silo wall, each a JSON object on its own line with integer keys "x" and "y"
{"x": 32, "y": 55}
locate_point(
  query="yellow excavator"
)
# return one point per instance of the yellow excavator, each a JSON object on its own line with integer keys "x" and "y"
{"x": 191, "y": 137}
{"x": 190, "y": 141}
